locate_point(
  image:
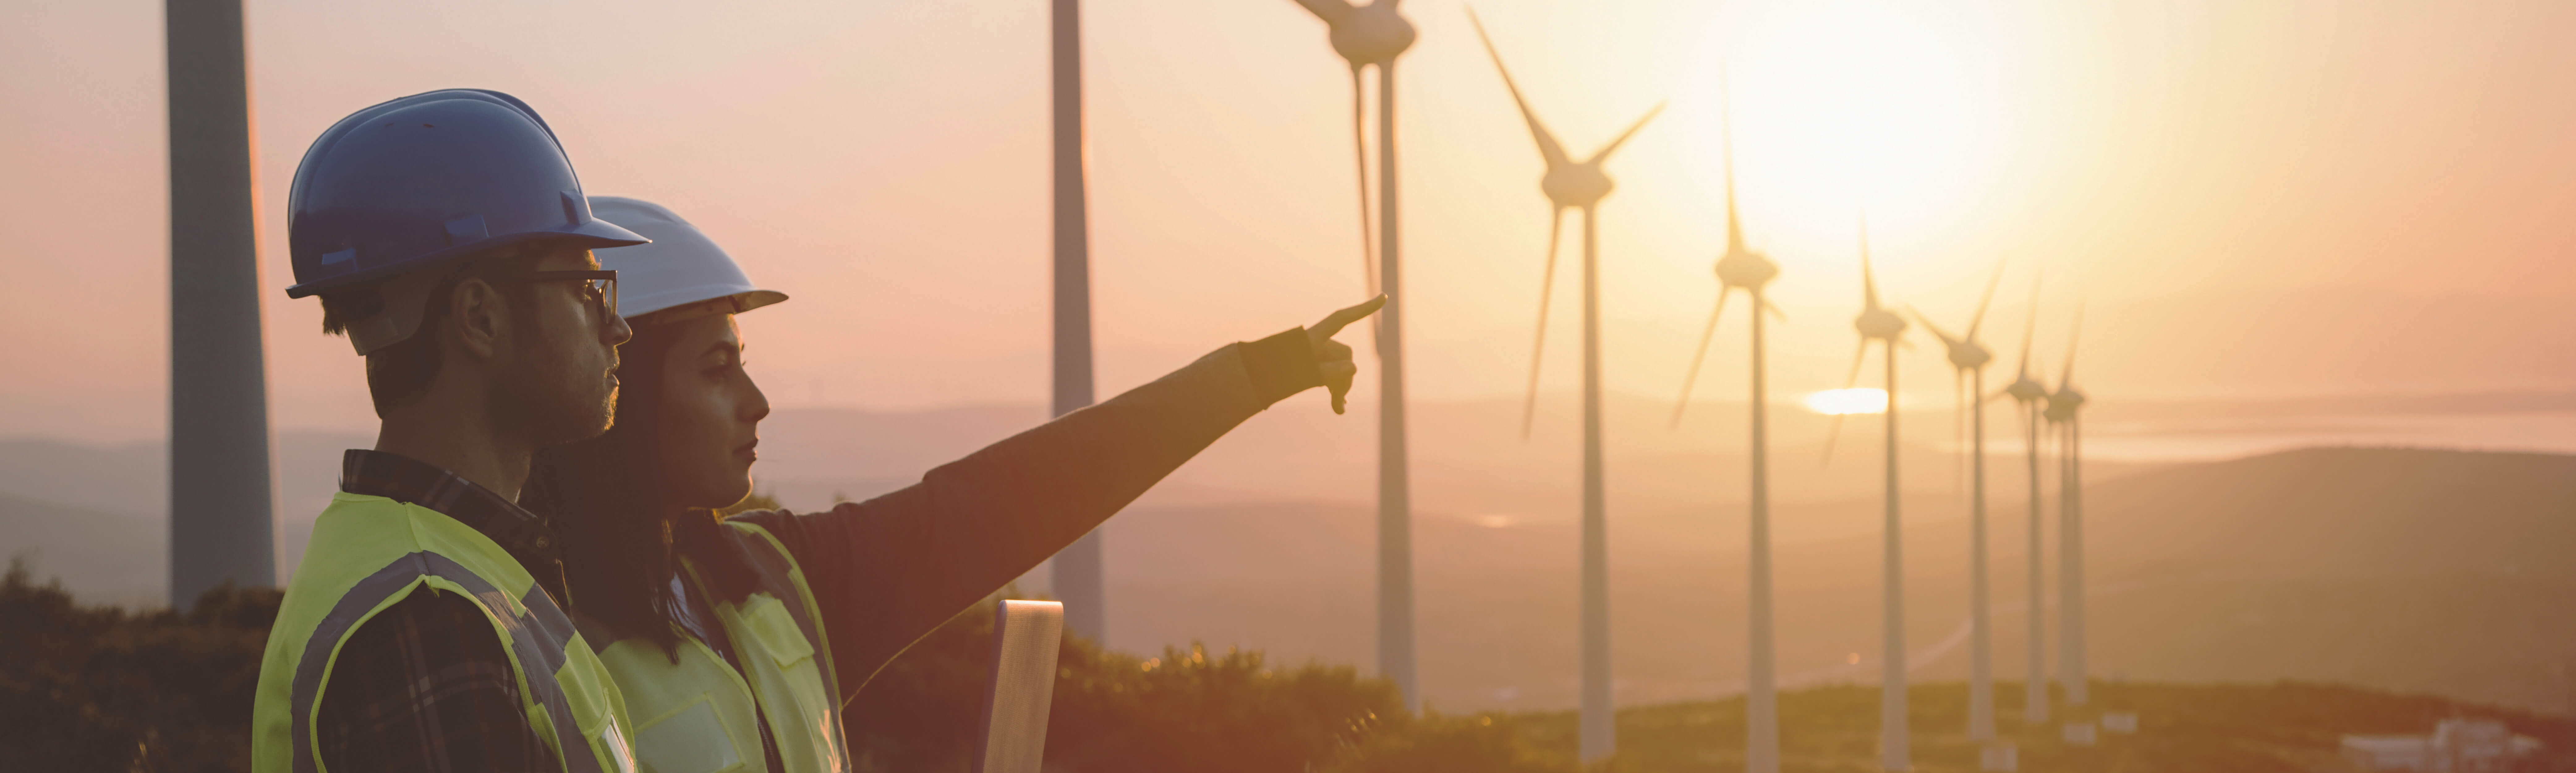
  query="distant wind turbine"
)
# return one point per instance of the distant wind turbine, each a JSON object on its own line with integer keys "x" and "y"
{"x": 1364, "y": 35}
{"x": 2065, "y": 408}
{"x": 1876, "y": 323}
{"x": 1569, "y": 183}
{"x": 2031, "y": 397}
{"x": 1743, "y": 268}
{"x": 1970, "y": 357}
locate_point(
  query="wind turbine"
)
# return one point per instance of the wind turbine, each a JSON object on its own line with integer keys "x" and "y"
{"x": 1743, "y": 268}
{"x": 2032, "y": 397}
{"x": 1375, "y": 34}
{"x": 1581, "y": 185}
{"x": 1876, "y": 323}
{"x": 1970, "y": 358}
{"x": 2064, "y": 409}
{"x": 1080, "y": 573}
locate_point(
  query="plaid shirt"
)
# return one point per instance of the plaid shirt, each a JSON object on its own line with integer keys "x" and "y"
{"x": 424, "y": 685}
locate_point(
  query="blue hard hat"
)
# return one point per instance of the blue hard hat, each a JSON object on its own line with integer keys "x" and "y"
{"x": 417, "y": 182}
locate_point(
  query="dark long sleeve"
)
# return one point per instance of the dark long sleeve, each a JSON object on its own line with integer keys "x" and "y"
{"x": 423, "y": 686}
{"x": 886, "y": 571}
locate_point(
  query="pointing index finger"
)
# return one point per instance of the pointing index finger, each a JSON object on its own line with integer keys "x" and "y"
{"x": 1333, "y": 323}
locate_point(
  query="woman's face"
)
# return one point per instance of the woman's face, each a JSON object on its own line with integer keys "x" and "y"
{"x": 711, "y": 414}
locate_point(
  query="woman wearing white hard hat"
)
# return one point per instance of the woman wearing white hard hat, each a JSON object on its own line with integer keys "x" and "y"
{"x": 735, "y": 641}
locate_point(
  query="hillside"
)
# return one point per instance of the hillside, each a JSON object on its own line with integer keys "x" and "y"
{"x": 99, "y": 688}
{"x": 111, "y": 557}
{"x": 2426, "y": 571}
{"x": 2415, "y": 570}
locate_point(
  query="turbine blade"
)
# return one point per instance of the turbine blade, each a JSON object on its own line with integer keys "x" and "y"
{"x": 1836, "y": 433}
{"x": 1868, "y": 280}
{"x": 2029, "y": 329}
{"x": 1547, "y": 144}
{"x": 1853, "y": 379}
{"x": 1984, "y": 300}
{"x": 1699, "y": 354}
{"x": 1959, "y": 433}
{"x": 1726, "y": 140}
{"x": 1368, "y": 239}
{"x": 2068, "y": 376}
{"x": 1603, "y": 154}
{"x": 1937, "y": 332}
{"x": 1546, "y": 283}
{"x": 1359, "y": 148}
{"x": 1331, "y": 11}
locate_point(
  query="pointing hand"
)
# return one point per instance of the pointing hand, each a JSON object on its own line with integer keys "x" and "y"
{"x": 1332, "y": 357}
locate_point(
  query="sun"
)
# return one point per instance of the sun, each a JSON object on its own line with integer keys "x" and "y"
{"x": 1844, "y": 106}
{"x": 1838, "y": 402}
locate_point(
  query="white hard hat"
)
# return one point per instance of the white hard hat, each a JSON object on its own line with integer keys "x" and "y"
{"x": 681, "y": 271}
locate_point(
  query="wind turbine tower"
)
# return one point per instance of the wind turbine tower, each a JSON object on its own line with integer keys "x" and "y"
{"x": 2065, "y": 408}
{"x": 1080, "y": 569}
{"x": 1580, "y": 185}
{"x": 1969, "y": 357}
{"x": 1364, "y": 35}
{"x": 1747, "y": 270}
{"x": 221, "y": 516}
{"x": 1876, "y": 323}
{"x": 2031, "y": 397}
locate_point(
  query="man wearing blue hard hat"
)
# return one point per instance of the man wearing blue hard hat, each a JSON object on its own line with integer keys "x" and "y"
{"x": 448, "y": 237}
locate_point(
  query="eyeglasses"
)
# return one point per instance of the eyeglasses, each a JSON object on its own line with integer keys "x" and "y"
{"x": 599, "y": 287}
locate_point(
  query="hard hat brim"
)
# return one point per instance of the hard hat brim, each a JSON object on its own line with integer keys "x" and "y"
{"x": 736, "y": 303}
{"x": 591, "y": 233}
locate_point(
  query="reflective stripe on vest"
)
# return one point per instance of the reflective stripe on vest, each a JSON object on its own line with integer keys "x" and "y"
{"x": 697, "y": 713}
{"x": 367, "y": 553}
{"x": 536, "y": 638}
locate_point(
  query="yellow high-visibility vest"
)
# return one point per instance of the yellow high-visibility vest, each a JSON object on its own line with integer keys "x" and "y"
{"x": 697, "y": 715}
{"x": 369, "y": 552}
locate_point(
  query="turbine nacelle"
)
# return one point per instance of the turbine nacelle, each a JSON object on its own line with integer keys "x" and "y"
{"x": 1967, "y": 355}
{"x": 1373, "y": 34}
{"x": 1880, "y": 324}
{"x": 2063, "y": 403}
{"x": 1367, "y": 34}
{"x": 1576, "y": 185}
{"x": 1746, "y": 269}
{"x": 2026, "y": 390}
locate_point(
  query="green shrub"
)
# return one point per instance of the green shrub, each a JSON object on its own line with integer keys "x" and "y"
{"x": 1184, "y": 710}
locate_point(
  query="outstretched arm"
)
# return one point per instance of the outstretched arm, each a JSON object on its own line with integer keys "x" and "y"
{"x": 888, "y": 570}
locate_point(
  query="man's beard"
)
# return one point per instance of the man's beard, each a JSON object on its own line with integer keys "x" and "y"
{"x": 551, "y": 404}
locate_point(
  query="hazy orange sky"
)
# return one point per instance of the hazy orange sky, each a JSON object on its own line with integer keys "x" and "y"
{"x": 2254, "y": 197}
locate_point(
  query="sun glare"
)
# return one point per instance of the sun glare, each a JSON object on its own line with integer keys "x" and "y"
{"x": 1844, "y": 105}
{"x": 1833, "y": 402}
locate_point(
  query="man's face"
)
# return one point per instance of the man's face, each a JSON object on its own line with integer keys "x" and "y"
{"x": 560, "y": 382}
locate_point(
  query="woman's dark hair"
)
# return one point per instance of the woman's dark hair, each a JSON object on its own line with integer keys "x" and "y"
{"x": 611, "y": 510}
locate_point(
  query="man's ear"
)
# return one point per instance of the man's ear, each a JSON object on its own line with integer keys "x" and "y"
{"x": 481, "y": 318}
